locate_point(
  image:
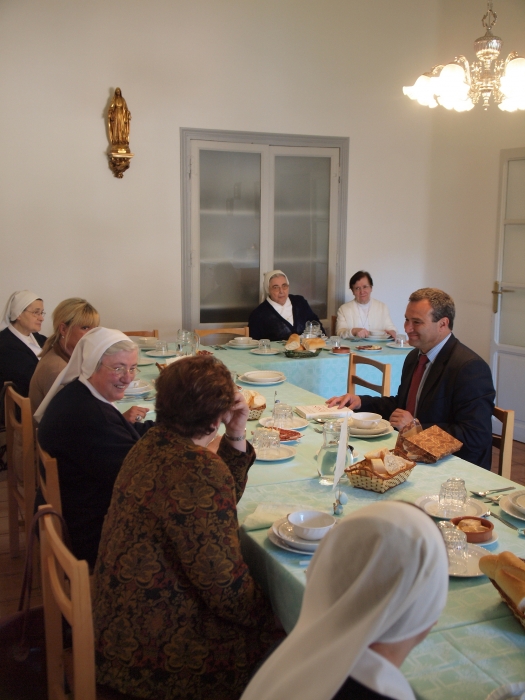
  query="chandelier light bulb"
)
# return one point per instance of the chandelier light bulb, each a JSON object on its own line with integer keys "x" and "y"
{"x": 459, "y": 85}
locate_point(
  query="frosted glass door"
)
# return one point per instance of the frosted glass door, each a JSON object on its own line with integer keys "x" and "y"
{"x": 230, "y": 231}
{"x": 301, "y": 226}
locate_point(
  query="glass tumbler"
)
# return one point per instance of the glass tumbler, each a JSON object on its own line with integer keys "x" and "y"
{"x": 452, "y": 497}
{"x": 161, "y": 346}
{"x": 264, "y": 345}
{"x": 457, "y": 549}
{"x": 327, "y": 456}
{"x": 335, "y": 341}
{"x": 283, "y": 416}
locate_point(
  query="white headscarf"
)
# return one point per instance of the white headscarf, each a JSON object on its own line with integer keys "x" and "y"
{"x": 17, "y": 302}
{"x": 266, "y": 281}
{"x": 83, "y": 361}
{"x": 381, "y": 575}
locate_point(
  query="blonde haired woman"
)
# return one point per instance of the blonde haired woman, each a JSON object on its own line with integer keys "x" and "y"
{"x": 72, "y": 319}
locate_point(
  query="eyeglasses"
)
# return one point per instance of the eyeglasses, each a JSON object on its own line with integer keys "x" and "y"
{"x": 36, "y": 313}
{"x": 276, "y": 287}
{"x": 363, "y": 288}
{"x": 121, "y": 371}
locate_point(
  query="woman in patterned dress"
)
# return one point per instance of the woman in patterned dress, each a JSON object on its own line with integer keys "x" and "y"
{"x": 177, "y": 613}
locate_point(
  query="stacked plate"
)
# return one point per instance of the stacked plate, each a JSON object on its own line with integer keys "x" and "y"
{"x": 282, "y": 535}
{"x": 378, "y": 335}
{"x": 239, "y": 345}
{"x": 298, "y": 423}
{"x": 262, "y": 377}
{"x": 144, "y": 342}
{"x": 514, "y": 504}
{"x": 430, "y": 504}
{"x": 138, "y": 388}
{"x": 384, "y": 428}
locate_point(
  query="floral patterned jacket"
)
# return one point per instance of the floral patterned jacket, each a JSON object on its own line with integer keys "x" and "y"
{"x": 176, "y": 611}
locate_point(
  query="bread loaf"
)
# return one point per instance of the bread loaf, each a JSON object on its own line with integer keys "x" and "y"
{"x": 311, "y": 344}
{"x": 508, "y": 571}
{"x": 293, "y": 342}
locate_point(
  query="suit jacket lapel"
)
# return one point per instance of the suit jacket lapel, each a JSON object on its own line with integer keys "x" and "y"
{"x": 438, "y": 366}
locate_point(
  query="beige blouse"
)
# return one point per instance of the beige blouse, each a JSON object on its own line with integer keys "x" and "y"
{"x": 45, "y": 374}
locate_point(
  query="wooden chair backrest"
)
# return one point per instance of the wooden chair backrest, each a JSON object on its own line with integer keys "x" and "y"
{"x": 333, "y": 324}
{"x": 21, "y": 471}
{"x": 144, "y": 334}
{"x": 504, "y": 442}
{"x": 66, "y": 593}
{"x": 353, "y": 379}
{"x": 219, "y": 336}
{"x": 48, "y": 480}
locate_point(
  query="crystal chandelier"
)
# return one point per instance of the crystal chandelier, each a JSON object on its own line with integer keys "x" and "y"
{"x": 460, "y": 86}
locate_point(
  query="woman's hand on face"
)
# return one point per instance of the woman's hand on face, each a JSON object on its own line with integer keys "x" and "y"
{"x": 135, "y": 414}
{"x": 235, "y": 419}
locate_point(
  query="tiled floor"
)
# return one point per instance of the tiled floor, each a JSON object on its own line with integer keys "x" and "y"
{"x": 11, "y": 570}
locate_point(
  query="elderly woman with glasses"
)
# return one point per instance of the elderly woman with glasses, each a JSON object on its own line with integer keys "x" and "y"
{"x": 20, "y": 341}
{"x": 80, "y": 426}
{"x": 280, "y": 314}
{"x": 358, "y": 317}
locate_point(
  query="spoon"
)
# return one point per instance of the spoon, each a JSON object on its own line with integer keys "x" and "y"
{"x": 519, "y": 530}
{"x": 481, "y": 494}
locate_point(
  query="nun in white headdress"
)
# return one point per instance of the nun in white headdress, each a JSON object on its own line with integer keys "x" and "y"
{"x": 20, "y": 340}
{"x": 376, "y": 586}
{"x": 80, "y": 426}
{"x": 280, "y": 314}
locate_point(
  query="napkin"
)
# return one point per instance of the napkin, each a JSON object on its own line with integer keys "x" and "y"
{"x": 340, "y": 462}
{"x": 267, "y": 513}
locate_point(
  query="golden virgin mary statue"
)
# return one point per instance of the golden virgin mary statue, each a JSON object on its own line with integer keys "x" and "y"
{"x": 119, "y": 118}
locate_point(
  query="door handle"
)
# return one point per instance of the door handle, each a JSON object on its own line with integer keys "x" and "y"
{"x": 496, "y": 292}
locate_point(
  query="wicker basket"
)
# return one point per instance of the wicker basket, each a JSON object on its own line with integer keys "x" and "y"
{"x": 298, "y": 354}
{"x": 255, "y": 414}
{"x": 362, "y": 476}
{"x": 520, "y": 617}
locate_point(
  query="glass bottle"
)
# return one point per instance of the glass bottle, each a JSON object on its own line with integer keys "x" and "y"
{"x": 327, "y": 456}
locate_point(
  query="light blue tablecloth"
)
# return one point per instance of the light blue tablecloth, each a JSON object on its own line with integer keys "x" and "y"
{"x": 476, "y": 645}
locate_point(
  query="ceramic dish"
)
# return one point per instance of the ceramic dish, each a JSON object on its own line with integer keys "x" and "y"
{"x": 157, "y": 353}
{"x": 517, "y": 500}
{"x": 507, "y": 507}
{"x": 476, "y": 537}
{"x": 278, "y": 542}
{"x": 263, "y": 376}
{"x": 284, "y": 531}
{"x": 298, "y": 423}
{"x": 284, "y": 452}
{"x": 272, "y": 351}
{"x": 371, "y": 433}
{"x": 368, "y": 348}
{"x": 399, "y": 347}
{"x": 141, "y": 387}
{"x": 430, "y": 504}
{"x": 340, "y": 352}
{"x": 474, "y": 554}
{"x": 243, "y": 346}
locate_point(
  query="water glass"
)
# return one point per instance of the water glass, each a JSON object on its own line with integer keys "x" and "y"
{"x": 161, "y": 346}
{"x": 308, "y": 329}
{"x": 452, "y": 497}
{"x": 401, "y": 340}
{"x": 185, "y": 337}
{"x": 335, "y": 341}
{"x": 316, "y": 329}
{"x": 266, "y": 442}
{"x": 283, "y": 416}
{"x": 264, "y": 345}
{"x": 457, "y": 549}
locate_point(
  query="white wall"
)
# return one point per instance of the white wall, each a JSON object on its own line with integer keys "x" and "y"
{"x": 419, "y": 202}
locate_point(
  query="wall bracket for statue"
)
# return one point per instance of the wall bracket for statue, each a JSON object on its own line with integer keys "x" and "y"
{"x": 119, "y": 118}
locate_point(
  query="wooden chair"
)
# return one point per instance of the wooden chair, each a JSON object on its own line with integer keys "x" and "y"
{"x": 48, "y": 480}
{"x": 504, "y": 441}
{"x": 333, "y": 324}
{"x": 145, "y": 334}
{"x": 20, "y": 465}
{"x": 353, "y": 379}
{"x": 219, "y": 336}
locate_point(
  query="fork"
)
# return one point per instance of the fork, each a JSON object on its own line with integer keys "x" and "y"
{"x": 494, "y": 499}
{"x": 519, "y": 530}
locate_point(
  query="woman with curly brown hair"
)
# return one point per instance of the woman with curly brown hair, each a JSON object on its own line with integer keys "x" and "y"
{"x": 177, "y": 613}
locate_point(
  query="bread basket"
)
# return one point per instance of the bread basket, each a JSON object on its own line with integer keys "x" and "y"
{"x": 256, "y": 413}
{"x": 297, "y": 354}
{"x": 362, "y": 476}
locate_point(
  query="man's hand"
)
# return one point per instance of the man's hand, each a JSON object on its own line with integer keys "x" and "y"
{"x": 400, "y": 418}
{"x": 349, "y": 400}
{"x": 360, "y": 333}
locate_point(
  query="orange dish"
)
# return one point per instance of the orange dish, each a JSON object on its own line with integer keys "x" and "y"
{"x": 476, "y": 529}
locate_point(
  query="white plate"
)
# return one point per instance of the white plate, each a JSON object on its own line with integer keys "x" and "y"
{"x": 474, "y": 554}
{"x": 285, "y": 452}
{"x": 157, "y": 353}
{"x": 243, "y": 346}
{"x": 144, "y": 388}
{"x": 256, "y": 351}
{"x": 278, "y": 542}
{"x": 145, "y": 361}
{"x": 263, "y": 375}
{"x": 506, "y": 506}
{"x": 399, "y": 347}
{"x": 517, "y": 500}
{"x": 298, "y": 422}
{"x": 493, "y": 539}
{"x": 245, "y": 381}
{"x": 383, "y": 336}
{"x": 430, "y": 504}
{"x": 382, "y": 428}
{"x": 284, "y": 531}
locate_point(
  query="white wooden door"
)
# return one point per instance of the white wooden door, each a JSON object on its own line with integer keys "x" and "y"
{"x": 508, "y": 342}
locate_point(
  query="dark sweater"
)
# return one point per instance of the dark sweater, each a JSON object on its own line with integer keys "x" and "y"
{"x": 265, "y": 322}
{"x": 17, "y": 360}
{"x": 90, "y": 439}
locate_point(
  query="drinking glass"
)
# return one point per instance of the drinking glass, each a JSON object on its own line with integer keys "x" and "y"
{"x": 308, "y": 329}
{"x": 283, "y": 416}
{"x": 327, "y": 456}
{"x": 264, "y": 345}
{"x": 185, "y": 337}
{"x": 452, "y": 497}
{"x": 316, "y": 329}
{"x": 401, "y": 340}
{"x": 457, "y": 549}
{"x": 266, "y": 442}
{"x": 335, "y": 341}
{"x": 161, "y": 346}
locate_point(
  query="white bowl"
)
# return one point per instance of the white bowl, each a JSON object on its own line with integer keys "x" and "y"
{"x": 366, "y": 420}
{"x": 311, "y": 524}
{"x": 242, "y": 340}
{"x": 378, "y": 334}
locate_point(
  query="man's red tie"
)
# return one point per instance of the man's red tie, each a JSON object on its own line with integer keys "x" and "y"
{"x": 414, "y": 384}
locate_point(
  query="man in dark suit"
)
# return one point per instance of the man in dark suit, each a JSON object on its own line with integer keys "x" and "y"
{"x": 443, "y": 382}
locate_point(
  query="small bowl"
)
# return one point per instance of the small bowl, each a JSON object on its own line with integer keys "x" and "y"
{"x": 311, "y": 524}
{"x": 242, "y": 340}
{"x": 366, "y": 420}
{"x": 475, "y": 537}
{"x": 341, "y": 351}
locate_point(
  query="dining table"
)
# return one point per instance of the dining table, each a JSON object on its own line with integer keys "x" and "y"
{"x": 477, "y": 645}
